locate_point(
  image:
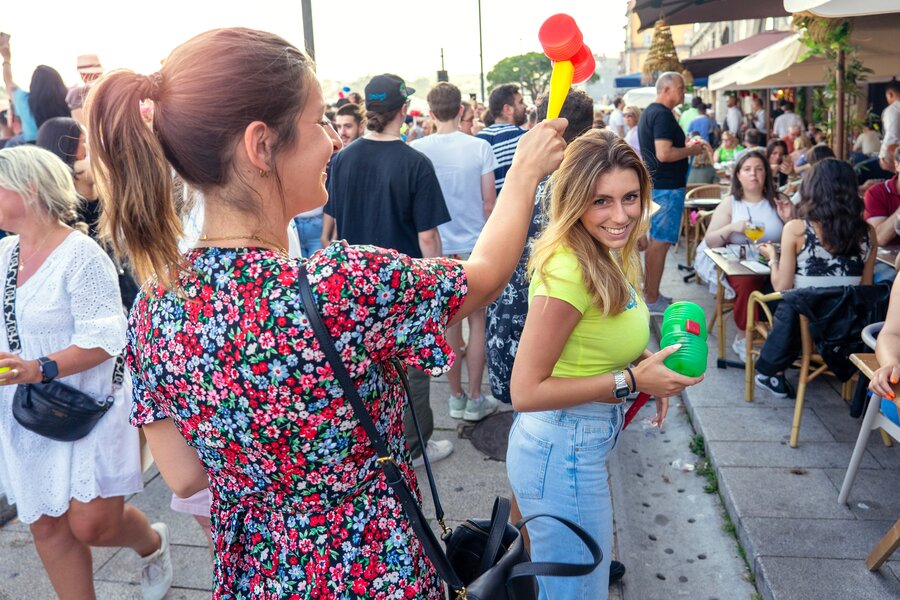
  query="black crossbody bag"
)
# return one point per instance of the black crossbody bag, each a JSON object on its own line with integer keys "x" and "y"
{"x": 54, "y": 410}
{"x": 484, "y": 559}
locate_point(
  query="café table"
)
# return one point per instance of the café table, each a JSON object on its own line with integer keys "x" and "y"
{"x": 728, "y": 264}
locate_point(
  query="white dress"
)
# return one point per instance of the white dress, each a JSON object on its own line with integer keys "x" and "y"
{"x": 73, "y": 298}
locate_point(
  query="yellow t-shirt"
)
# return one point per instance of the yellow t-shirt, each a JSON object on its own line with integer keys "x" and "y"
{"x": 598, "y": 344}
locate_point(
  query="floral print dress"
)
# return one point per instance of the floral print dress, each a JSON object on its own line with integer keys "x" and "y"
{"x": 300, "y": 509}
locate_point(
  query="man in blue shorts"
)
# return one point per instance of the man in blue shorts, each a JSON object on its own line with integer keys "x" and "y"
{"x": 664, "y": 152}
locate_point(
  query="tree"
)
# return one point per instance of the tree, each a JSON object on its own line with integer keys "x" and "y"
{"x": 531, "y": 71}
{"x": 662, "y": 56}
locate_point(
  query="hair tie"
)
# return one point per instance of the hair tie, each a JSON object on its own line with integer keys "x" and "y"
{"x": 152, "y": 87}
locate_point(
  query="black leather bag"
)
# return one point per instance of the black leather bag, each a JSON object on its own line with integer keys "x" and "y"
{"x": 53, "y": 410}
{"x": 485, "y": 559}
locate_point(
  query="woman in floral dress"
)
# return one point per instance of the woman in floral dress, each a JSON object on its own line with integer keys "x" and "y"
{"x": 225, "y": 365}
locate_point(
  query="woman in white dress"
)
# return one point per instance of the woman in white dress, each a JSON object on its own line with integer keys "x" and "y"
{"x": 69, "y": 314}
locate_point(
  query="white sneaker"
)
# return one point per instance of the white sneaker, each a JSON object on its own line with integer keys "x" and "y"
{"x": 437, "y": 451}
{"x": 740, "y": 348}
{"x": 156, "y": 568}
{"x": 479, "y": 408}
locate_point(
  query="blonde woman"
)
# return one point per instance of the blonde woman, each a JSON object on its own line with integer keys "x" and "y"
{"x": 586, "y": 327}
{"x": 632, "y": 116}
{"x": 70, "y": 322}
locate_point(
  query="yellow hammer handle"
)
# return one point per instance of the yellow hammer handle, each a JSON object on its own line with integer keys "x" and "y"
{"x": 560, "y": 82}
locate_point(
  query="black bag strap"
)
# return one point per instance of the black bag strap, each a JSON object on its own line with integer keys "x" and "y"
{"x": 12, "y": 328}
{"x": 385, "y": 460}
{"x": 499, "y": 519}
{"x": 553, "y": 569}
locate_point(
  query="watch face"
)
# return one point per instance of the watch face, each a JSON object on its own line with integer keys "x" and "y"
{"x": 49, "y": 369}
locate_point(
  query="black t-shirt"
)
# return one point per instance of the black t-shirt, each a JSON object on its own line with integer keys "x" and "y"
{"x": 658, "y": 123}
{"x": 384, "y": 194}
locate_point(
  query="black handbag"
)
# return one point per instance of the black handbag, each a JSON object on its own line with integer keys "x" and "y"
{"x": 485, "y": 559}
{"x": 53, "y": 410}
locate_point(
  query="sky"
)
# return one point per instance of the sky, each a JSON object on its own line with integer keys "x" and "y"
{"x": 350, "y": 41}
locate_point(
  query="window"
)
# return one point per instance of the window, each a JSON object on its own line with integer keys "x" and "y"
{"x": 726, "y": 36}
{"x": 648, "y": 38}
{"x": 770, "y": 23}
{"x": 688, "y": 38}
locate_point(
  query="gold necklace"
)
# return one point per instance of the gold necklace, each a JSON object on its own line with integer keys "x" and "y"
{"x": 233, "y": 238}
{"x": 32, "y": 255}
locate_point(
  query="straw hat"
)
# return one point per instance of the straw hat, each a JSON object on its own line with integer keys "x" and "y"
{"x": 89, "y": 63}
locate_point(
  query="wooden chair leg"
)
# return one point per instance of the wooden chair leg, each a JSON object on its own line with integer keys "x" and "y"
{"x": 847, "y": 390}
{"x": 720, "y": 302}
{"x": 883, "y": 550}
{"x": 798, "y": 405}
{"x": 884, "y": 436}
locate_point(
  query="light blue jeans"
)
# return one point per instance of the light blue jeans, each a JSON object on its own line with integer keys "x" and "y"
{"x": 556, "y": 463}
{"x": 309, "y": 233}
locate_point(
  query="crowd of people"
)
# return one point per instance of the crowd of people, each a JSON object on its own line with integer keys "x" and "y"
{"x": 548, "y": 238}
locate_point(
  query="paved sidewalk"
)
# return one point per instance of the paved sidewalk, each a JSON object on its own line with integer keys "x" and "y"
{"x": 800, "y": 543}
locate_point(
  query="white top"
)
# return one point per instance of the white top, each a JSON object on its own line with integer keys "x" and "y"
{"x": 758, "y": 212}
{"x": 617, "y": 121}
{"x": 459, "y": 162}
{"x": 868, "y": 142}
{"x": 733, "y": 119}
{"x": 890, "y": 123}
{"x": 784, "y": 122}
{"x": 72, "y": 299}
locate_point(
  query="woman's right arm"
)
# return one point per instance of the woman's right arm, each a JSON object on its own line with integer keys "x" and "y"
{"x": 720, "y": 226}
{"x": 178, "y": 463}
{"x": 887, "y": 350}
{"x": 500, "y": 244}
{"x": 549, "y": 324}
{"x": 7, "y": 66}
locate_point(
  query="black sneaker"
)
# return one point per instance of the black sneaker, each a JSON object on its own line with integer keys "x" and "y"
{"x": 776, "y": 384}
{"x": 616, "y": 571}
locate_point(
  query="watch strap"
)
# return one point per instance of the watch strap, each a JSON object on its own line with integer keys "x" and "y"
{"x": 622, "y": 389}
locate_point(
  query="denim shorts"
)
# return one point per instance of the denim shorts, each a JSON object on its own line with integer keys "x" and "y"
{"x": 556, "y": 463}
{"x": 664, "y": 225}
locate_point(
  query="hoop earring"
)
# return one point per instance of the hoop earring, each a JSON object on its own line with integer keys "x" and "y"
{"x": 263, "y": 173}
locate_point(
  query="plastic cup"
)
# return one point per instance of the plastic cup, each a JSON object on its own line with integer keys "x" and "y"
{"x": 560, "y": 37}
{"x": 688, "y": 360}
{"x": 584, "y": 63}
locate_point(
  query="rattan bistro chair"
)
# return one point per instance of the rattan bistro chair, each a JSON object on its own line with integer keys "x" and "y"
{"x": 810, "y": 363}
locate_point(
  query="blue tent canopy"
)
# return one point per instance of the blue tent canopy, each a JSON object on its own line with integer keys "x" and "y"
{"x": 634, "y": 81}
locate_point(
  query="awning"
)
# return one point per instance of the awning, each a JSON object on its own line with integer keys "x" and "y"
{"x": 684, "y": 12}
{"x": 707, "y": 63}
{"x": 842, "y": 8}
{"x": 776, "y": 66}
{"x": 633, "y": 80}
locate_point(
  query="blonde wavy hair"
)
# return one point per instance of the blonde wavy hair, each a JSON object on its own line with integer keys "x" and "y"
{"x": 607, "y": 273}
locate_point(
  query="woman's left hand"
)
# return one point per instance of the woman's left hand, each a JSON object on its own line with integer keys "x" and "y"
{"x": 20, "y": 371}
{"x": 662, "y": 407}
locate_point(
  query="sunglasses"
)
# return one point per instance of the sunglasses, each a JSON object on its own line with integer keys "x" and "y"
{"x": 628, "y": 114}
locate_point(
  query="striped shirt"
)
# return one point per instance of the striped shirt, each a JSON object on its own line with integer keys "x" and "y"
{"x": 503, "y": 138}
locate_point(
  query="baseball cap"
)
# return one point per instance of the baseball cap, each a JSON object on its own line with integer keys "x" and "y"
{"x": 89, "y": 63}
{"x": 387, "y": 92}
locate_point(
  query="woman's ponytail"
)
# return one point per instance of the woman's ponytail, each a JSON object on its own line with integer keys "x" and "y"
{"x": 139, "y": 218}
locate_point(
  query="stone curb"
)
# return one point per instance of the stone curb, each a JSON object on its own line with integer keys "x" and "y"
{"x": 762, "y": 585}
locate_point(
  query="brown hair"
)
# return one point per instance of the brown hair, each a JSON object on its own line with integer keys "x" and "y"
{"x": 607, "y": 274}
{"x": 352, "y": 110}
{"x": 195, "y": 131}
{"x": 577, "y": 108}
{"x": 737, "y": 190}
{"x": 376, "y": 121}
{"x": 444, "y": 100}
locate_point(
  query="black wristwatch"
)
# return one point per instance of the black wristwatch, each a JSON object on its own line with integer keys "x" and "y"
{"x": 49, "y": 369}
